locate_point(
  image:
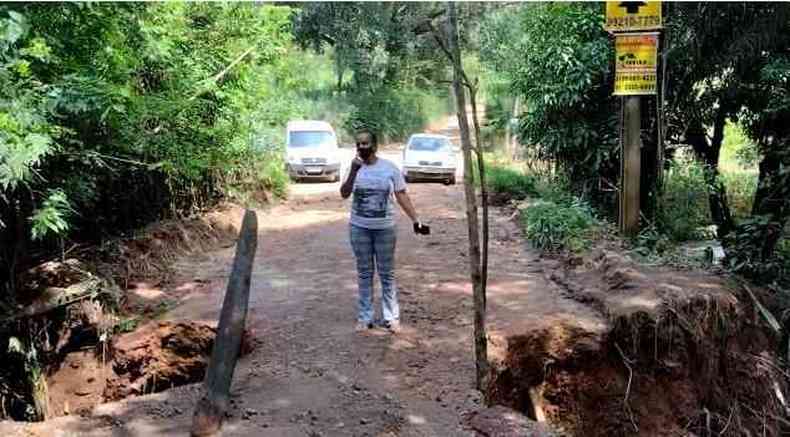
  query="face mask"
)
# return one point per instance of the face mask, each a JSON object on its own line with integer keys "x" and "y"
{"x": 365, "y": 153}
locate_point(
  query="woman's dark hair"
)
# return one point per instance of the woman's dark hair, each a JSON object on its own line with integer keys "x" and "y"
{"x": 372, "y": 135}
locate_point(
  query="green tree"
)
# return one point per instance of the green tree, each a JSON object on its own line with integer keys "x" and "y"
{"x": 114, "y": 115}
{"x": 557, "y": 58}
{"x": 730, "y": 61}
{"x": 390, "y": 55}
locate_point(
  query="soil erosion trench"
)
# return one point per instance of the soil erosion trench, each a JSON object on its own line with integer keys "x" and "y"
{"x": 593, "y": 347}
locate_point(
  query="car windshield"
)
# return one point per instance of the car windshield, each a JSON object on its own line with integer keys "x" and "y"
{"x": 428, "y": 144}
{"x": 310, "y": 138}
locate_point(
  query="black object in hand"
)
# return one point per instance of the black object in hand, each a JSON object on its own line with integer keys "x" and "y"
{"x": 421, "y": 229}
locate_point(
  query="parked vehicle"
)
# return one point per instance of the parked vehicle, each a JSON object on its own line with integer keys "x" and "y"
{"x": 311, "y": 151}
{"x": 429, "y": 157}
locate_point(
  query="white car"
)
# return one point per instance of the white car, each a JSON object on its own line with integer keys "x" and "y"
{"x": 311, "y": 151}
{"x": 430, "y": 157}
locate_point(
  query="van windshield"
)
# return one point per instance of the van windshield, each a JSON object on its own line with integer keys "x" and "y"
{"x": 310, "y": 138}
{"x": 428, "y": 144}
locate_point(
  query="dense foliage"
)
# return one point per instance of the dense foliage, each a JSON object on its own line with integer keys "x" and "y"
{"x": 556, "y": 57}
{"x": 115, "y": 115}
{"x": 729, "y": 61}
{"x": 112, "y": 115}
{"x": 726, "y": 79}
{"x": 386, "y": 61}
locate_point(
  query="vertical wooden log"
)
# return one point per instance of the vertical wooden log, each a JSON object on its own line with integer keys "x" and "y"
{"x": 632, "y": 165}
{"x": 210, "y": 410}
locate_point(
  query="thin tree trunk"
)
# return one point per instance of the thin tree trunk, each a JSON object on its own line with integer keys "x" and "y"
{"x": 719, "y": 207}
{"x": 513, "y": 137}
{"x": 709, "y": 153}
{"x": 481, "y": 347}
{"x": 483, "y": 190}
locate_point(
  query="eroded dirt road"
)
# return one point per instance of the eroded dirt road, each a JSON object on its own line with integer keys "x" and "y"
{"x": 310, "y": 374}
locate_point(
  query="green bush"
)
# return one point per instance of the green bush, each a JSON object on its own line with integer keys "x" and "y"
{"x": 685, "y": 210}
{"x": 395, "y": 113}
{"x": 737, "y": 149}
{"x": 554, "y": 188}
{"x": 551, "y": 226}
{"x": 741, "y": 186}
{"x": 513, "y": 183}
{"x": 557, "y": 58}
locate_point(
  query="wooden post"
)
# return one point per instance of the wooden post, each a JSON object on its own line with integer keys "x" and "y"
{"x": 210, "y": 410}
{"x": 631, "y": 168}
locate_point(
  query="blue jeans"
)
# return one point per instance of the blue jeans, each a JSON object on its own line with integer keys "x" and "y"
{"x": 378, "y": 244}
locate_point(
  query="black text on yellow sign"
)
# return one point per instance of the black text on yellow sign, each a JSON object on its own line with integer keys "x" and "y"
{"x": 635, "y": 64}
{"x": 632, "y": 16}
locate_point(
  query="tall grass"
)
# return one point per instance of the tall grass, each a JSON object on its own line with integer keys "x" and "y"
{"x": 738, "y": 169}
{"x": 685, "y": 210}
{"x": 741, "y": 186}
{"x": 505, "y": 179}
{"x": 511, "y": 182}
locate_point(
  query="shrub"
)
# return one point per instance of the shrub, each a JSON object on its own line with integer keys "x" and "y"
{"x": 551, "y": 226}
{"x": 685, "y": 211}
{"x": 510, "y": 182}
{"x": 737, "y": 149}
{"x": 395, "y": 113}
{"x": 554, "y": 188}
{"x": 741, "y": 186}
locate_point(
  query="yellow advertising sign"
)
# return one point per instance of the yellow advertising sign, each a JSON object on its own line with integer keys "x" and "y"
{"x": 635, "y": 64}
{"x": 631, "y": 16}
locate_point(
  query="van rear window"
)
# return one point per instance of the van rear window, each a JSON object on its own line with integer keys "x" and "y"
{"x": 428, "y": 144}
{"x": 310, "y": 138}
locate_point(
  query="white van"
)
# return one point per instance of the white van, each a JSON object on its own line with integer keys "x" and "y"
{"x": 311, "y": 151}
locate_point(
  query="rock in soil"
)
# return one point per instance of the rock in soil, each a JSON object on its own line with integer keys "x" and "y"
{"x": 499, "y": 421}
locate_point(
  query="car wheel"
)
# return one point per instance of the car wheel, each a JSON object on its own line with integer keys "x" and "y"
{"x": 450, "y": 181}
{"x": 408, "y": 179}
{"x": 336, "y": 178}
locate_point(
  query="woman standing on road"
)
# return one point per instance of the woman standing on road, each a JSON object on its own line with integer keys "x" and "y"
{"x": 373, "y": 181}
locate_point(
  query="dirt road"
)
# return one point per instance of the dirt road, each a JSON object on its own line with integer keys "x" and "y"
{"x": 311, "y": 374}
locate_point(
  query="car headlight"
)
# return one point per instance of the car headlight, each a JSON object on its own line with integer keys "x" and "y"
{"x": 292, "y": 160}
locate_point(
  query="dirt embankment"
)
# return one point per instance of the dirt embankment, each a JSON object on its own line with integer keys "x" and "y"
{"x": 73, "y": 320}
{"x": 682, "y": 353}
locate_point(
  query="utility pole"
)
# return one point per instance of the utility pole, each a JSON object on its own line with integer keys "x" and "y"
{"x": 631, "y": 167}
{"x": 636, "y": 40}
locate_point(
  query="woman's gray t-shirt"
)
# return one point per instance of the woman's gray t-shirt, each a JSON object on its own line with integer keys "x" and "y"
{"x": 371, "y": 205}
